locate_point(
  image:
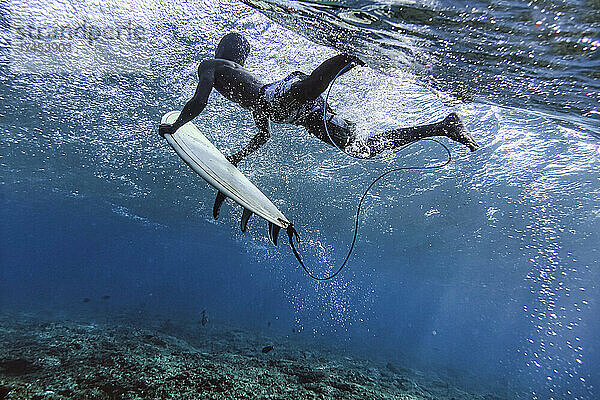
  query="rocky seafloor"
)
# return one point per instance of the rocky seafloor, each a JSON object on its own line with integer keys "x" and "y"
{"x": 75, "y": 359}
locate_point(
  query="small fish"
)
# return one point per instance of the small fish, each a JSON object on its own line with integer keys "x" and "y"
{"x": 269, "y": 324}
{"x": 86, "y": 300}
{"x": 204, "y": 319}
{"x": 267, "y": 349}
{"x": 105, "y": 297}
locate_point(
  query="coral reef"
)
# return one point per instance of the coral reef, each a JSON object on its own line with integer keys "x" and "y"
{"x": 74, "y": 360}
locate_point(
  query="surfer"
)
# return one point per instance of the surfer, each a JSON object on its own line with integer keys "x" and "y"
{"x": 297, "y": 100}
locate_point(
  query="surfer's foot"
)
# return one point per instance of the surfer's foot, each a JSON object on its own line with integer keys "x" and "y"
{"x": 456, "y": 131}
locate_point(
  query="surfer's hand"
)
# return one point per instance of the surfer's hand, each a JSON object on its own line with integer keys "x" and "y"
{"x": 164, "y": 129}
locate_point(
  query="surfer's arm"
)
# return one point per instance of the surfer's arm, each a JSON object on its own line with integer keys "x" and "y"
{"x": 197, "y": 103}
{"x": 264, "y": 133}
{"x": 316, "y": 83}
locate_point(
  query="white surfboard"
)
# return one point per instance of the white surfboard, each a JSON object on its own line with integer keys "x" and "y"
{"x": 205, "y": 159}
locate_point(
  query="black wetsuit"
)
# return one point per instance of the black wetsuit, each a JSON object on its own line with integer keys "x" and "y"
{"x": 296, "y": 100}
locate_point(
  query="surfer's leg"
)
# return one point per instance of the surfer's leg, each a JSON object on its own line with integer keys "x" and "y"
{"x": 313, "y": 85}
{"x": 451, "y": 127}
{"x": 339, "y": 133}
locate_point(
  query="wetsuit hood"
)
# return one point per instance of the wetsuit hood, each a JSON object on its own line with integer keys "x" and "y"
{"x": 233, "y": 47}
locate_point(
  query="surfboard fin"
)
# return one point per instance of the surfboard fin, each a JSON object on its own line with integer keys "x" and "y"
{"x": 274, "y": 232}
{"x": 245, "y": 217}
{"x": 217, "y": 207}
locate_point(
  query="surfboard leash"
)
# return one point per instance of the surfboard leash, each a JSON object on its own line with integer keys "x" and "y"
{"x": 293, "y": 234}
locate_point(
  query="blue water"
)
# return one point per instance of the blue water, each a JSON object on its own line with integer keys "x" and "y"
{"x": 486, "y": 270}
